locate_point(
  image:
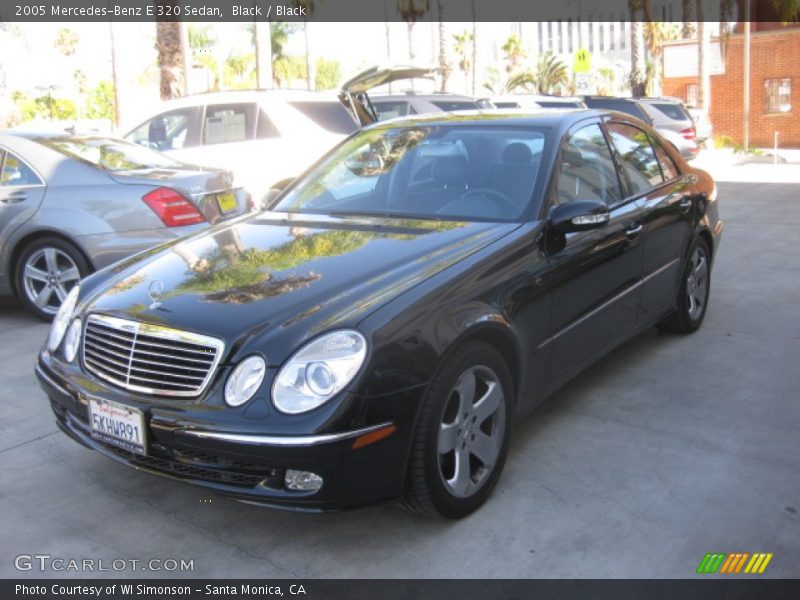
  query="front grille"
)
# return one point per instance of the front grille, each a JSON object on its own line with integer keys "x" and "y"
{"x": 148, "y": 358}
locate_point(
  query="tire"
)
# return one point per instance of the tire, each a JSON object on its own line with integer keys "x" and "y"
{"x": 45, "y": 272}
{"x": 693, "y": 294}
{"x": 435, "y": 484}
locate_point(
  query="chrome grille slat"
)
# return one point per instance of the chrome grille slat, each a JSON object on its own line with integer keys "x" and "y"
{"x": 149, "y": 358}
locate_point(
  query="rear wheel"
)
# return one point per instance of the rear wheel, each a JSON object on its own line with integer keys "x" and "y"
{"x": 47, "y": 269}
{"x": 693, "y": 293}
{"x": 463, "y": 432}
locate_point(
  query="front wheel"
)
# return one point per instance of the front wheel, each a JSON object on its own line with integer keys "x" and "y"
{"x": 462, "y": 435}
{"x": 46, "y": 271}
{"x": 693, "y": 293}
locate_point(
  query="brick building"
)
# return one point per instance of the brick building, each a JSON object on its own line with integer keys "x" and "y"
{"x": 774, "y": 83}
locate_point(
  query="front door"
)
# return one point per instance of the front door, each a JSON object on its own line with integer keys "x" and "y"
{"x": 597, "y": 273}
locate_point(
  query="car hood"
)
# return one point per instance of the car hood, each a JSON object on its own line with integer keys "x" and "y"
{"x": 287, "y": 276}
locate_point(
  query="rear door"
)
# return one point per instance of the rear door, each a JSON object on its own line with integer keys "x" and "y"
{"x": 597, "y": 273}
{"x": 667, "y": 205}
{"x": 21, "y": 191}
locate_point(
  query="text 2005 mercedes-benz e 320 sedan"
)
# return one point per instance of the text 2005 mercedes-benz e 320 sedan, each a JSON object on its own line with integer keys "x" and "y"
{"x": 373, "y": 335}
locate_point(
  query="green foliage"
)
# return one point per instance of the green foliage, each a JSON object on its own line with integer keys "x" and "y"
{"x": 67, "y": 41}
{"x": 279, "y": 32}
{"x": 44, "y": 107}
{"x": 240, "y": 71}
{"x": 463, "y": 49}
{"x": 514, "y": 53}
{"x": 100, "y": 102}
{"x": 551, "y": 73}
{"x": 286, "y": 69}
{"x": 201, "y": 37}
{"x": 412, "y": 11}
{"x": 723, "y": 141}
{"x": 327, "y": 74}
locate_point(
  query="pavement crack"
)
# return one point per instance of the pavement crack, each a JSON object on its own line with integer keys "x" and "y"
{"x": 25, "y": 443}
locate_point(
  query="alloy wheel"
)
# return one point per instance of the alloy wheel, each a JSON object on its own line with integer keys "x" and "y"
{"x": 471, "y": 431}
{"x": 48, "y": 276}
{"x": 697, "y": 283}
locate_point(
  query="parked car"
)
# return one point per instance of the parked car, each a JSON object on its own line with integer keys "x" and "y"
{"x": 373, "y": 335}
{"x": 702, "y": 125}
{"x": 535, "y": 101}
{"x": 636, "y": 107}
{"x": 265, "y": 138}
{"x": 670, "y": 113}
{"x": 390, "y": 106}
{"x": 72, "y": 204}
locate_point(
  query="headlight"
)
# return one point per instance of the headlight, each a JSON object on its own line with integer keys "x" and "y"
{"x": 61, "y": 320}
{"x": 245, "y": 380}
{"x": 319, "y": 371}
{"x": 72, "y": 340}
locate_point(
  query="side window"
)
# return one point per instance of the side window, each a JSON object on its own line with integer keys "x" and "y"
{"x": 587, "y": 170}
{"x": 227, "y": 123}
{"x": 167, "y": 131}
{"x": 16, "y": 173}
{"x": 668, "y": 167}
{"x": 266, "y": 128}
{"x": 636, "y": 154}
{"x": 392, "y": 109}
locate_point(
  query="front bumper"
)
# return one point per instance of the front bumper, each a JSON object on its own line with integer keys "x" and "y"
{"x": 247, "y": 465}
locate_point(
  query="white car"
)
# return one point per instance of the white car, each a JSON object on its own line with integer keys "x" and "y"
{"x": 265, "y": 137}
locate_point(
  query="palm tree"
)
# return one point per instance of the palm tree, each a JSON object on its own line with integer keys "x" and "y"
{"x": 688, "y": 28}
{"x": 551, "y": 73}
{"x": 262, "y": 45}
{"x": 412, "y": 11}
{"x": 170, "y": 55}
{"x": 444, "y": 63}
{"x": 309, "y": 7}
{"x": 788, "y": 11}
{"x": 655, "y": 34}
{"x": 637, "y": 51}
{"x": 474, "y": 47}
{"x": 463, "y": 43}
{"x": 67, "y": 41}
{"x": 514, "y": 53}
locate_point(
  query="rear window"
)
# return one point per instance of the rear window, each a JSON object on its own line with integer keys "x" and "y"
{"x": 107, "y": 154}
{"x": 392, "y": 108}
{"x": 451, "y": 105}
{"x": 556, "y": 104}
{"x": 673, "y": 111}
{"x": 506, "y": 104}
{"x": 623, "y": 106}
{"x": 331, "y": 116}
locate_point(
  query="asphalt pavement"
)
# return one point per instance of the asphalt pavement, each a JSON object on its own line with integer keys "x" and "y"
{"x": 668, "y": 448}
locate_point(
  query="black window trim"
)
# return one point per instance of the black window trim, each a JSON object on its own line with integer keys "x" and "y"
{"x": 618, "y": 161}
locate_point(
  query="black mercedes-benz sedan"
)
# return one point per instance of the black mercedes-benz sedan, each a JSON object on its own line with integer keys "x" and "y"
{"x": 373, "y": 335}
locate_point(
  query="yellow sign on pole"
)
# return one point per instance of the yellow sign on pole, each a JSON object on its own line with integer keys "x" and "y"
{"x": 582, "y": 62}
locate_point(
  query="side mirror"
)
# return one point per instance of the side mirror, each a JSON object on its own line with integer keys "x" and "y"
{"x": 579, "y": 215}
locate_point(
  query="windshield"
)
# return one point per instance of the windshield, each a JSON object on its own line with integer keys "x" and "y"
{"x": 459, "y": 172}
{"x": 108, "y": 154}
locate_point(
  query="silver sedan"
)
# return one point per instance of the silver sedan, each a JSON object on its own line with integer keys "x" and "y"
{"x": 71, "y": 204}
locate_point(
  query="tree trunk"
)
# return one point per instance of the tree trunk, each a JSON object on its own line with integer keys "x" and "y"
{"x": 637, "y": 57}
{"x": 262, "y": 43}
{"x": 114, "y": 73}
{"x": 444, "y": 63}
{"x": 310, "y": 76}
{"x": 703, "y": 34}
{"x": 411, "y": 54}
{"x": 170, "y": 57}
{"x": 474, "y": 48}
{"x": 688, "y": 29}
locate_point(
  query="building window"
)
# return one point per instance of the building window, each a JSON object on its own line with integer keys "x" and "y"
{"x": 691, "y": 94}
{"x": 541, "y": 37}
{"x": 622, "y": 33}
{"x": 779, "y": 95}
{"x": 591, "y": 34}
{"x": 611, "y": 37}
{"x": 569, "y": 35}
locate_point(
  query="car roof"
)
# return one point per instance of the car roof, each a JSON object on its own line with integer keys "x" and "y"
{"x": 520, "y": 117}
{"x": 235, "y": 96}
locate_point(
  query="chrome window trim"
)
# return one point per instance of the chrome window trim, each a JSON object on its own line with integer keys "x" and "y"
{"x": 158, "y": 331}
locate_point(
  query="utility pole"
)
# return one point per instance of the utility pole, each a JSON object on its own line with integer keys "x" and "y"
{"x": 746, "y": 108}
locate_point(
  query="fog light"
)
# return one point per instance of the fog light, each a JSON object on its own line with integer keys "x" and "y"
{"x": 302, "y": 481}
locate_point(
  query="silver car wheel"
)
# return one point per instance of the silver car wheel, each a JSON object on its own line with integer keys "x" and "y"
{"x": 48, "y": 276}
{"x": 697, "y": 283}
{"x": 471, "y": 431}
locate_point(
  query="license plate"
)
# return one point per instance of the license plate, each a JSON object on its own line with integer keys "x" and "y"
{"x": 117, "y": 424}
{"x": 227, "y": 202}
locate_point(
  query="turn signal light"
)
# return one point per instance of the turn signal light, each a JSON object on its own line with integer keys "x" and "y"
{"x": 172, "y": 208}
{"x": 373, "y": 436}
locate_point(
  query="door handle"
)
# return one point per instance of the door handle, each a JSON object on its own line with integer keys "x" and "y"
{"x": 634, "y": 231}
{"x": 14, "y": 197}
{"x": 685, "y": 204}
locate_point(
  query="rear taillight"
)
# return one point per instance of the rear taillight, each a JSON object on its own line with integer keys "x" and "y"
{"x": 688, "y": 133}
{"x": 172, "y": 208}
